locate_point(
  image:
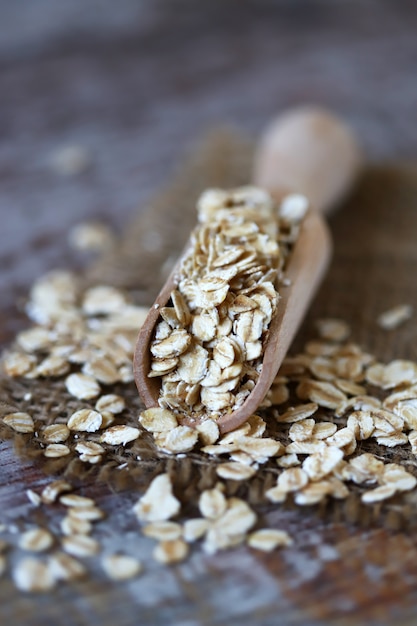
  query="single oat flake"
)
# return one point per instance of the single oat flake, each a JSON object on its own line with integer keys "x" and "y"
{"x": 119, "y": 435}
{"x": 163, "y": 531}
{"x": 212, "y": 503}
{"x": 56, "y": 450}
{"x": 33, "y": 575}
{"x": 393, "y": 318}
{"x": 51, "y": 492}
{"x": 82, "y": 386}
{"x": 80, "y": 545}
{"x": 74, "y": 500}
{"x": 158, "y": 503}
{"x": 168, "y": 552}
{"x": 36, "y": 540}
{"x": 121, "y": 566}
{"x": 85, "y": 420}
{"x": 20, "y": 422}
{"x": 64, "y": 567}
{"x": 268, "y": 539}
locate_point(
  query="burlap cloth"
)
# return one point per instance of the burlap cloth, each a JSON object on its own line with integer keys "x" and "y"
{"x": 374, "y": 268}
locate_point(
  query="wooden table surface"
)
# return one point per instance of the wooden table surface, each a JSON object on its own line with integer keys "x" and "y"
{"x": 133, "y": 84}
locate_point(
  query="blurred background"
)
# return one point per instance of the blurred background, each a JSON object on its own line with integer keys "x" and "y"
{"x": 99, "y": 99}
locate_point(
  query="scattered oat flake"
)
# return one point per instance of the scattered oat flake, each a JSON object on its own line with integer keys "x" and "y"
{"x": 238, "y": 518}
{"x": 302, "y": 430}
{"x": 217, "y": 449}
{"x": 33, "y": 575}
{"x": 292, "y": 479}
{"x": 110, "y": 403}
{"x": 180, "y": 439}
{"x": 288, "y": 460}
{"x": 362, "y": 424}
{"x": 243, "y": 458}
{"x": 71, "y": 525}
{"x": 82, "y": 386}
{"x": 64, "y": 567}
{"x": 400, "y": 371}
{"x": 313, "y": 493}
{"x": 107, "y": 419}
{"x": 268, "y": 539}
{"x": 261, "y": 449}
{"x": 36, "y": 540}
{"x": 119, "y": 435}
{"x": 55, "y": 433}
{"x": 80, "y": 545}
{"x": 349, "y": 387}
{"x": 121, "y": 566}
{"x": 212, "y": 503}
{"x": 399, "y": 478}
{"x": 163, "y": 531}
{"x": 51, "y": 492}
{"x": 208, "y": 432}
{"x": 89, "y": 513}
{"x": 333, "y": 329}
{"x": 34, "y": 339}
{"x": 56, "y": 450}
{"x": 171, "y": 551}
{"x": 323, "y": 393}
{"x": 20, "y": 422}
{"x": 74, "y": 500}
{"x": 341, "y": 438}
{"x": 85, "y": 420}
{"x": 217, "y": 539}
{"x": 375, "y": 375}
{"x": 407, "y": 409}
{"x": 323, "y": 430}
{"x": 17, "y": 364}
{"x": 33, "y": 497}
{"x": 195, "y": 529}
{"x": 103, "y": 370}
{"x": 53, "y": 366}
{"x": 158, "y": 503}
{"x": 310, "y": 446}
{"x": 235, "y": 471}
{"x": 89, "y": 448}
{"x": 392, "y": 440}
{"x": 102, "y": 300}
{"x": 318, "y": 465}
{"x": 298, "y": 413}
{"x": 157, "y": 420}
{"x": 384, "y": 492}
{"x": 91, "y": 236}
{"x": 257, "y": 426}
{"x": 235, "y": 434}
{"x": 93, "y": 459}
{"x": 393, "y": 318}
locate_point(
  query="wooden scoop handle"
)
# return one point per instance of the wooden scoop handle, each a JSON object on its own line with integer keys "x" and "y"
{"x": 308, "y": 151}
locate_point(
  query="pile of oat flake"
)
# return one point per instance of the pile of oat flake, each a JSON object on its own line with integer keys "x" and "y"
{"x": 208, "y": 345}
{"x": 311, "y": 436}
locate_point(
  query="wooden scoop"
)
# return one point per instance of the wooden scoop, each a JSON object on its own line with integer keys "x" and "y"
{"x": 306, "y": 151}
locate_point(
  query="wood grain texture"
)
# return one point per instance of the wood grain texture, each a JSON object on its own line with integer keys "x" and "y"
{"x": 133, "y": 84}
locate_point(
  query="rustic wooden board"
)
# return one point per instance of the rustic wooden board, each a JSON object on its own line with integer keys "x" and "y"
{"x": 133, "y": 87}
